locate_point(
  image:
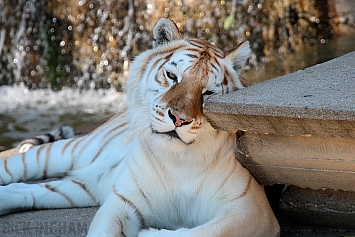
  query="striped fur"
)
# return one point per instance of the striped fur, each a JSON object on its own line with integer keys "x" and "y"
{"x": 157, "y": 168}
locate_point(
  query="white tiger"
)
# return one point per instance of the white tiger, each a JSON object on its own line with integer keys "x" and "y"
{"x": 157, "y": 168}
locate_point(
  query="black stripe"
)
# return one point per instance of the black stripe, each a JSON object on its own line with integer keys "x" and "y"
{"x": 215, "y": 67}
{"x": 39, "y": 140}
{"x": 50, "y": 136}
{"x": 192, "y": 55}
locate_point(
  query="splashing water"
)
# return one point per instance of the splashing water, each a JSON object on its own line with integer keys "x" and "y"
{"x": 25, "y": 113}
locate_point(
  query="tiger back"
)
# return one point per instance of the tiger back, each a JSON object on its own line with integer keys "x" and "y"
{"x": 157, "y": 168}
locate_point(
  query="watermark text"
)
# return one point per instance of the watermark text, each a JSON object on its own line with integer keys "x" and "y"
{"x": 43, "y": 228}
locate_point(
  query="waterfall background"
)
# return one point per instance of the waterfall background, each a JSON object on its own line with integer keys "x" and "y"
{"x": 90, "y": 44}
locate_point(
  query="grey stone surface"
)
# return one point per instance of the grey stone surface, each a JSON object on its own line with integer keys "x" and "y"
{"x": 47, "y": 223}
{"x": 328, "y": 208}
{"x": 324, "y": 91}
{"x": 303, "y": 161}
{"x": 76, "y": 222}
{"x": 321, "y": 96}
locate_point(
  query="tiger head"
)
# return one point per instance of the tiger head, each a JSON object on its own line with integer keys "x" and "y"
{"x": 171, "y": 81}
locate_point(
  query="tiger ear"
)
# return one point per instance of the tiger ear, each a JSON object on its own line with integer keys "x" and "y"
{"x": 239, "y": 55}
{"x": 165, "y": 31}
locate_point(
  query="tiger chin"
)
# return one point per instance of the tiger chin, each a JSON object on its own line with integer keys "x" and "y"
{"x": 157, "y": 168}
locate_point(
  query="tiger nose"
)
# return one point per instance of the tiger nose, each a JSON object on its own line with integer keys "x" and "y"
{"x": 178, "y": 122}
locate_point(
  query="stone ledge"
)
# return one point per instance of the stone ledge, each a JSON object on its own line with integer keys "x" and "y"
{"x": 333, "y": 209}
{"x": 299, "y": 129}
{"x": 303, "y": 161}
{"x": 307, "y": 101}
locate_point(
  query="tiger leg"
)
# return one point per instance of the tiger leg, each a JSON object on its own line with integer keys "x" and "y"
{"x": 41, "y": 162}
{"x": 66, "y": 193}
{"x": 116, "y": 217}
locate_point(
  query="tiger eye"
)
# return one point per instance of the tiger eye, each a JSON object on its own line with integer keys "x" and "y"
{"x": 171, "y": 76}
{"x": 209, "y": 93}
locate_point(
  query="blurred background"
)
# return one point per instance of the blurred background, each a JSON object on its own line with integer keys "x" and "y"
{"x": 65, "y": 62}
